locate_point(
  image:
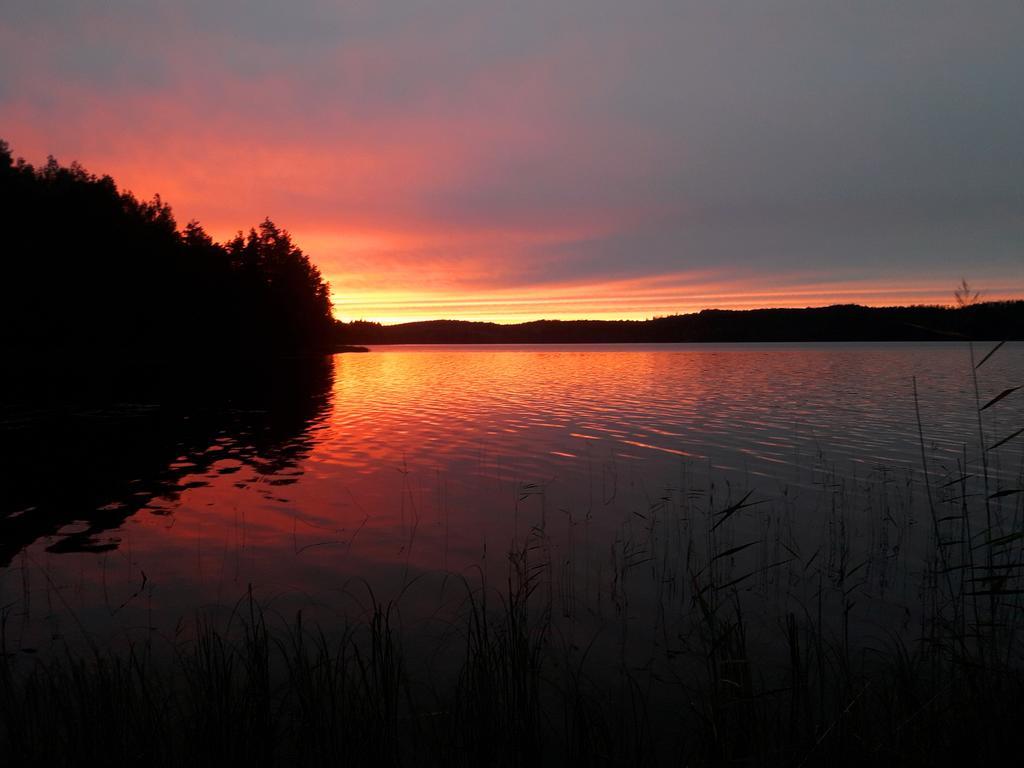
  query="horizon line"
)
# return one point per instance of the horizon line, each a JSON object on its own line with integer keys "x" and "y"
{"x": 952, "y": 306}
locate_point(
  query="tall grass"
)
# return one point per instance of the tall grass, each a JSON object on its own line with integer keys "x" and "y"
{"x": 717, "y": 632}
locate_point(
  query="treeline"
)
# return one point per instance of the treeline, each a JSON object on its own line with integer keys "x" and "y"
{"x": 90, "y": 269}
{"x": 986, "y": 320}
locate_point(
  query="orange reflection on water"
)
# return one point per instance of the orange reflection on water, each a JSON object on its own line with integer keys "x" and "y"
{"x": 424, "y": 460}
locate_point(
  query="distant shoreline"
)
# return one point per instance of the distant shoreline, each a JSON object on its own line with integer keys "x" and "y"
{"x": 1000, "y": 321}
{"x": 664, "y": 343}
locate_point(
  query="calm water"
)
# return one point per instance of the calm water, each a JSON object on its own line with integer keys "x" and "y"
{"x": 389, "y": 468}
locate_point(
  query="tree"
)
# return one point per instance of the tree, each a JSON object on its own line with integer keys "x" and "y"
{"x": 87, "y": 267}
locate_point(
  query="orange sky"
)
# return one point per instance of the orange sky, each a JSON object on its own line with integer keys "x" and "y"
{"x": 514, "y": 161}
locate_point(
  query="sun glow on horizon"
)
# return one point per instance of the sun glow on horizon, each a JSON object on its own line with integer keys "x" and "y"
{"x": 624, "y": 300}
{"x": 400, "y": 265}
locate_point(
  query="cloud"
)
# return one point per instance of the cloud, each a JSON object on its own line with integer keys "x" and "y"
{"x": 488, "y": 146}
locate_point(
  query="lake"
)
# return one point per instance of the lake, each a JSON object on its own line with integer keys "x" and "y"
{"x": 623, "y": 472}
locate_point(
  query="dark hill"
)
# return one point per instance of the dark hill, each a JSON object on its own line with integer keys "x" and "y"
{"x": 988, "y": 320}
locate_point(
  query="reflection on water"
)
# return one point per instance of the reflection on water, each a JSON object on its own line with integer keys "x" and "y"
{"x": 415, "y": 460}
{"x": 76, "y": 471}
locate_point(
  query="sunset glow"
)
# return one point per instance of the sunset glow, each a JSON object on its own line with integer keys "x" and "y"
{"x": 626, "y": 300}
{"x": 467, "y": 160}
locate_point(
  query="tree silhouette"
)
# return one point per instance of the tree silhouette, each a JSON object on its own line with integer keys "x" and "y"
{"x": 278, "y": 277}
{"x": 87, "y": 268}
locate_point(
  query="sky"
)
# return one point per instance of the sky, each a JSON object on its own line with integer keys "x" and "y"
{"x": 513, "y": 160}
